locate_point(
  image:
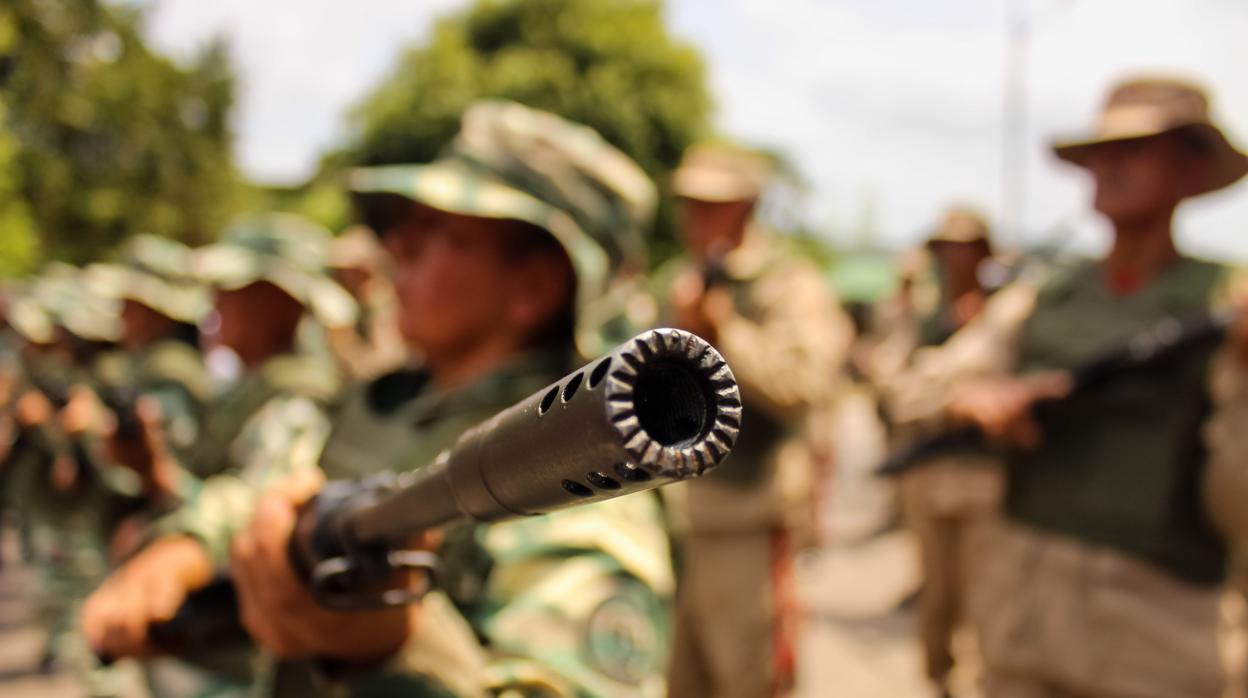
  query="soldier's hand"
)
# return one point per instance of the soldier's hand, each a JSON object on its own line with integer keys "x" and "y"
{"x": 85, "y": 413}
{"x": 33, "y": 409}
{"x": 1001, "y": 407}
{"x": 146, "y": 452}
{"x": 150, "y": 587}
{"x": 277, "y": 608}
{"x": 699, "y": 309}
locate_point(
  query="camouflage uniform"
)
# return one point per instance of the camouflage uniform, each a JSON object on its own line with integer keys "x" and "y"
{"x": 67, "y": 524}
{"x": 373, "y": 345}
{"x": 566, "y": 604}
{"x": 290, "y": 254}
{"x": 787, "y": 341}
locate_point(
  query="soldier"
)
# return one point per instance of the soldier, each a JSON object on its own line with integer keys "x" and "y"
{"x": 372, "y": 345}
{"x": 267, "y": 274}
{"x": 942, "y": 500}
{"x": 496, "y": 246}
{"x": 776, "y": 323}
{"x": 161, "y": 308}
{"x": 1105, "y": 576}
{"x": 67, "y": 495}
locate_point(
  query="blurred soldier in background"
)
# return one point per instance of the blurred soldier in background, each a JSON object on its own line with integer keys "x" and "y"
{"x": 66, "y": 494}
{"x": 268, "y": 273}
{"x": 1106, "y": 574}
{"x": 161, "y": 307}
{"x": 372, "y": 345}
{"x": 942, "y": 500}
{"x": 777, "y": 324}
{"x": 496, "y": 246}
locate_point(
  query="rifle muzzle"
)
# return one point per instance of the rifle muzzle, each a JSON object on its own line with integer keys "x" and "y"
{"x": 662, "y": 407}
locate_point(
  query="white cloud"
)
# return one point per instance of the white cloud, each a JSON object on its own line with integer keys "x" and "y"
{"x": 899, "y": 102}
{"x": 301, "y": 63}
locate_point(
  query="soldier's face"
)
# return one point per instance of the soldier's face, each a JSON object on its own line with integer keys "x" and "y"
{"x": 959, "y": 261}
{"x": 1138, "y": 180}
{"x": 452, "y": 280}
{"x": 713, "y": 228}
{"x": 141, "y": 325}
{"x": 255, "y": 318}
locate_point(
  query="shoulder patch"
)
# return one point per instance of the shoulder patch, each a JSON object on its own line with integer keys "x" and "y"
{"x": 623, "y": 639}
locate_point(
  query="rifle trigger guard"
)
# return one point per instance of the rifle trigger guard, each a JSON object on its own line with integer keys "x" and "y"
{"x": 330, "y": 577}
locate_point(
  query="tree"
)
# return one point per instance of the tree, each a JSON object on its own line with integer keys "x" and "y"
{"x": 609, "y": 64}
{"x": 111, "y": 139}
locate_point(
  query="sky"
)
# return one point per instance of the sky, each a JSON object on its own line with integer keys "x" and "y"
{"x": 892, "y": 109}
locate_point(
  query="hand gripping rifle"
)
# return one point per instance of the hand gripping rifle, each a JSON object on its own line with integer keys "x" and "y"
{"x": 1164, "y": 339}
{"x": 660, "y": 408}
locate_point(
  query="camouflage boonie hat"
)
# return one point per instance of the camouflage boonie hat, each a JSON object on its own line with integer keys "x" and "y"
{"x": 356, "y": 248}
{"x": 61, "y": 297}
{"x": 30, "y": 319}
{"x": 513, "y": 162}
{"x": 285, "y": 250}
{"x": 156, "y": 272}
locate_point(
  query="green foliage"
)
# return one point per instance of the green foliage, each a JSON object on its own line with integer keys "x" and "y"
{"x": 17, "y": 230}
{"x": 609, "y": 64}
{"x": 111, "y": 139}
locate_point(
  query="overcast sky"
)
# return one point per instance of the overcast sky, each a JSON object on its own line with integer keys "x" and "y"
{"x": 891, "y": 108}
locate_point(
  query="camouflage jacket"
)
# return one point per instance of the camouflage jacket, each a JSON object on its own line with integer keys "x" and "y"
{"x": 569, "y": 604}
{"x": 273, "y": 411}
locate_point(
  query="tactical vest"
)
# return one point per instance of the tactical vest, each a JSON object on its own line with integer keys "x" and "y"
{"x": 1121, "y": 463}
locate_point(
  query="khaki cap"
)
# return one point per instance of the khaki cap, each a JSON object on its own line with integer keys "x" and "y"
{"x": 721, "y": 173}
{"x": 960, "y": 225}
{"x": 1144, "y": 107}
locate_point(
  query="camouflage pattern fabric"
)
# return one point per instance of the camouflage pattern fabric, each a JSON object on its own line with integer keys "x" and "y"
{"x": 572, "y": 603}
{"x": 290, "y": 388}
{"x": 67, "y": 529}
{"x": 285, "y": 250}
{"x": 289, "y": 374}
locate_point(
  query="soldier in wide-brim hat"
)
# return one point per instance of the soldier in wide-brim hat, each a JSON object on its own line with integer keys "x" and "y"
{"x": 1105, "y": 574}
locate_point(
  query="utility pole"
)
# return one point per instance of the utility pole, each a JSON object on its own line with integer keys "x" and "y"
{"x": 1014, "y": 122}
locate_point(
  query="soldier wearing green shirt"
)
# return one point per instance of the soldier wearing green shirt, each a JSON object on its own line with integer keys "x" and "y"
{"x": 1105, "y": 575}
{"x": 943, "y": 499}
{"x": 497, "y": 248}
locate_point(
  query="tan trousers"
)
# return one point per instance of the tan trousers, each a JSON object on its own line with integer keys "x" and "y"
{"x": 735, "y": 618}
{"x": 1008, "y": 686}
{"x": 942, "y": 543}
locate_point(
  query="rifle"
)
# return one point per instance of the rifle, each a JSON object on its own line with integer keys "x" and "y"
{"x": 1166, "y": 338}
{"x": 660, "y": 408}
{"x": 122, "y": 401}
